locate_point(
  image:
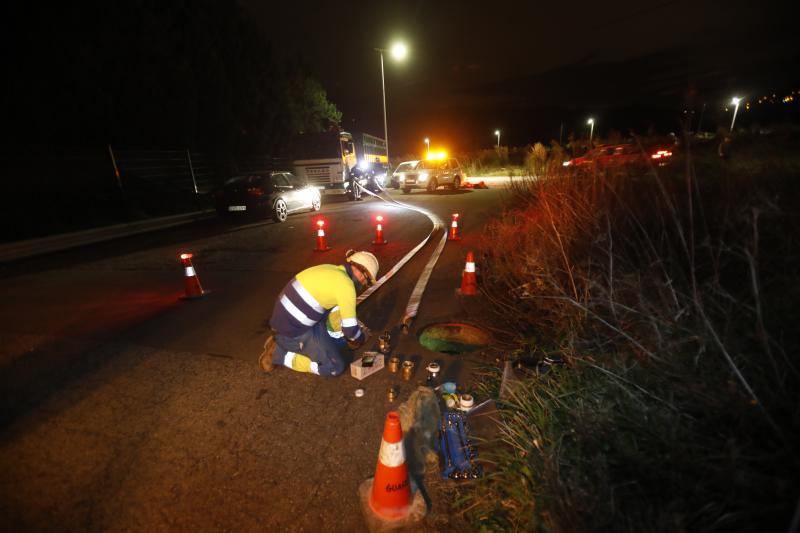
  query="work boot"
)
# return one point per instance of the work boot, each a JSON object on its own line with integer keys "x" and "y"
{"x": 265, "y": 359}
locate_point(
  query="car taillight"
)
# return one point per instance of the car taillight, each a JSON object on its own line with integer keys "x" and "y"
{"x": 255, "y": 191}
{"x": 661, "y": 153}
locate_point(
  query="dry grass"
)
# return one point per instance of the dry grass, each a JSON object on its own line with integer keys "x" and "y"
{"x": 671, "y": 294}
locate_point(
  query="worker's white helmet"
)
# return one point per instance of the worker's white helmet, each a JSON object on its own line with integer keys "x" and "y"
{"x": 368, "y": 263}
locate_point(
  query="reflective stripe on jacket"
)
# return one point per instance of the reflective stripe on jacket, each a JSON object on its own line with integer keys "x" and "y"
{"x": 310, "y": 295}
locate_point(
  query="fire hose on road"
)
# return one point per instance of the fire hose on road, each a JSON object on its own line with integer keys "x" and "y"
{"x": 412, "y": 307}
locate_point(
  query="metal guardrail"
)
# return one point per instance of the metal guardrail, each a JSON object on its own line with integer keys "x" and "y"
{"x": 55, "y": 243}
{"x": 50, "y": 189}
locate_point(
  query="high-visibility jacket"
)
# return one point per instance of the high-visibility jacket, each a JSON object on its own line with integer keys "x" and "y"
{"x": 310, "y": 295}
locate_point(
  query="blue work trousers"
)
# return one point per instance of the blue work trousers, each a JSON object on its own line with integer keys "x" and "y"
{"x": 317, "y": 345}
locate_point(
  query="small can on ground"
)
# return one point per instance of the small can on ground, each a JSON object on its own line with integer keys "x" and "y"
{"x": 408, "y": 370}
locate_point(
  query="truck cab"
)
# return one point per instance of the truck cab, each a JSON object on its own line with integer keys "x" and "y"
{"x": 324, "y": 159}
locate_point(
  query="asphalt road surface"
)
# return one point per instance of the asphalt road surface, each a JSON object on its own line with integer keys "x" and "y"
{"x": 125, "y": 407}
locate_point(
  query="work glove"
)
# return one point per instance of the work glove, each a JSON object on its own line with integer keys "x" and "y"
{"x": 356, "y": 343}
{"x": 365, "y": 331}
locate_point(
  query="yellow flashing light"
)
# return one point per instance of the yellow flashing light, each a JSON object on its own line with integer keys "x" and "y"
{"x": 435, "y": 156}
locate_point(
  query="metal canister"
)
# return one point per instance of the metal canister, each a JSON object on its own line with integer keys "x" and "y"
{"x": 383, "y": 343}
{"x": 408, "y": 369}
{"x": 394, "y": 364}
{"x": 391, "y": 394}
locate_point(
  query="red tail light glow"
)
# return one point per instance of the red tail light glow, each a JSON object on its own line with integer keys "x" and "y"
{"x": 255, "y": 191}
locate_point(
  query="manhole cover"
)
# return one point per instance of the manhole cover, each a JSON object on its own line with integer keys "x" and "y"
{"x": 453, "y": 338}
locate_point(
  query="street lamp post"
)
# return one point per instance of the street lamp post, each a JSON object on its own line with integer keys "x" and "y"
{"x": 497, "y": 132}
{"x": 398, "y": 52}
{"x": 735, "y": 101}
{"x": 590, "y": 122}
{"x": 428, "y": 143}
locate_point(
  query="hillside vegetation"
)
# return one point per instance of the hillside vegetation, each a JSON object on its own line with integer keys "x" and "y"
{"x": 670, "y": 293}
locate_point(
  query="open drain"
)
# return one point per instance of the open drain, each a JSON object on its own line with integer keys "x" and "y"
{"x": 453, "y": 338}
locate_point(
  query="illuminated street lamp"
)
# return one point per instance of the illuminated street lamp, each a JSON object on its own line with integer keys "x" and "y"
{"x": 735, "y": 101}
{"x": 497, "y": 132}
{"x": 399, "y": 52}
{"x": 590, "y": 122}
{"x": 428, "y": 142}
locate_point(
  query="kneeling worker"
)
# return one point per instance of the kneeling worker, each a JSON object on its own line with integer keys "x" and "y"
{"x": 315, "y": 316}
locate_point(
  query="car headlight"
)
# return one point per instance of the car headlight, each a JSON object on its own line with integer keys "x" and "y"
{"x": 423, "y": 176}
{"x": 566, "y": 163}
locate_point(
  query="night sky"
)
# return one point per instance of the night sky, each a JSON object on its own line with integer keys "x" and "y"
{"x": 525, "y": 67}
{"x": 212, "y": 74}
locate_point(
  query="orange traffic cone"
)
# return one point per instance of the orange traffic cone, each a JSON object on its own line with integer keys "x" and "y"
{"x": 469, "y": 284}
{"x": 190, "y": 280}
{"x": 379, "y": 231}
{"x": 453, "y": 236}
{"x": 391, "y": 495}
{"x": 322, "y": 243}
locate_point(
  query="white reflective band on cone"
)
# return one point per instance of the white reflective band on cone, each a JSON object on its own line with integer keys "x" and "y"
{"x": 380, "y": 228}
{"x": 320, "y": 233}
{"x": 189, "y": 271}
{"x": 454, "y": 224}
{"x": 470, "y": 267}
{"x": 391, "y": 454}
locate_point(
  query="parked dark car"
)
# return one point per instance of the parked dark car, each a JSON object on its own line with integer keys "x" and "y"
{"x": 275, "y": 194}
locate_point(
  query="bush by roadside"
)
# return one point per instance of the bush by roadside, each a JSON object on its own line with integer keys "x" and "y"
{"x": 670, "y": 293}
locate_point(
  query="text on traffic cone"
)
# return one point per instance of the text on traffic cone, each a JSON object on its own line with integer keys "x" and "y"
{"x": 469, "y": 284}
{"x": 190, "y": 280}
{"x": 391, "y": 495}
